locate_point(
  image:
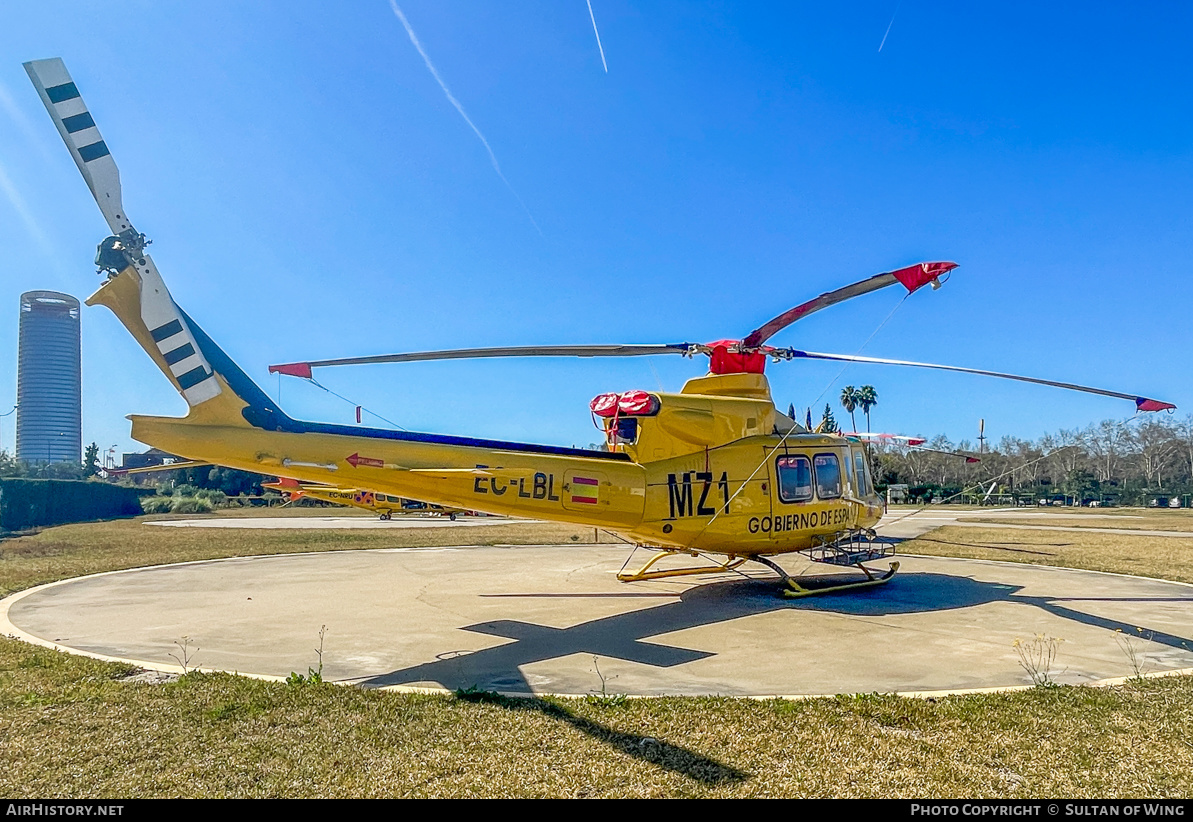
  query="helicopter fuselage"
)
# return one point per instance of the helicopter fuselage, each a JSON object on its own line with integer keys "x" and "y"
{"x": 713, "y": 468}
{"x": 706, "y": 469}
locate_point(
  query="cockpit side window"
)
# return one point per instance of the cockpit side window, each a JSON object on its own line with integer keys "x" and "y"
{"x": 859, "y": 469}
{"x": 828, "y": 476}
{"x": 795, "y": 478}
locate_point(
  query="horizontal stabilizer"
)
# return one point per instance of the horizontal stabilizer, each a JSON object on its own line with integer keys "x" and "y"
{"x": 181, "y": 465}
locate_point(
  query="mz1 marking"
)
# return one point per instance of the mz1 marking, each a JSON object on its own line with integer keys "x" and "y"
{"x": 798, "y": 522}
{"x": 681, "y": 494}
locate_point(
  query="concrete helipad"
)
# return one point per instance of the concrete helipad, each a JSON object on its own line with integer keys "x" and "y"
{"x": 553, "y": 619}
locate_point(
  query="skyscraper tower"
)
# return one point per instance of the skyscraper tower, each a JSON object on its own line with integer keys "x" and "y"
{"x": 49, "y": 403}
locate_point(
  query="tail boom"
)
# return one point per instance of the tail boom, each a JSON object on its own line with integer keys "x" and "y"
{"x": 528, "y": 482}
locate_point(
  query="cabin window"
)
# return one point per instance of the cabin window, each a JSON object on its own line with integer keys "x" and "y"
{"x": 828, "y": 476}
{"x": 795, "y": 478}
{"x": 859, "y": 468}
{"x": 850, "y": 482}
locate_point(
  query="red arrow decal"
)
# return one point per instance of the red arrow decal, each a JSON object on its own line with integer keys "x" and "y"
{"x": 357, "y": 460}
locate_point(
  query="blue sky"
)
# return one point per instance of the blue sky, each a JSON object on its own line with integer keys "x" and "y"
{"x": 311, "y": 193}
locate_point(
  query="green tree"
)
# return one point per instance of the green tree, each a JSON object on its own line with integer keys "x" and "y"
{"x": 234, "y": 483}
{"x": 10, "y": 467}
{"x": 828, "y": 425}
{"x": 58, "y": 470}
{"x": 867, "y": 398}
{"x": 849, "y": 403}
{"x": 91, "y": 460}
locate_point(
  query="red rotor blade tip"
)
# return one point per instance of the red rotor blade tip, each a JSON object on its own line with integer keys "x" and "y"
{"x": 920, "y": 274}
{"x": 292, "y": 369}
{"x": 1144, "y": 404}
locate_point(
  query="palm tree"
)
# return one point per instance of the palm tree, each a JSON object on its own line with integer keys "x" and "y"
{"x": 849, "y": 402}
{"x": 867, "y": 398}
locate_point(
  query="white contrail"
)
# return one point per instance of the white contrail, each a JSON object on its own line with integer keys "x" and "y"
{"x": 598, "y": 36}
{"x": 32, "y": 135}
{"x": 19, "y": 206}
{"x": 451, "y": 98}
{"x": 9, "y": 189}
{"x": 888, "y": 25}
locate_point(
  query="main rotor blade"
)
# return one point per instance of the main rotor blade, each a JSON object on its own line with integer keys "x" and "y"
{"x": 1141, "y": 403}
{"x": 303, "y": 369}
{"x": 966, "y": 457}
{"x": 79, "y": 132}
{"x": 909, "y": 441}
{"x": 912, "y": 277}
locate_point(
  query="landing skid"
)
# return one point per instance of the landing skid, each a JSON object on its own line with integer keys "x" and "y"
{"x": 645, "y": 573}
{"x": 794, "y": 587}
{"x": 851, "y": 549}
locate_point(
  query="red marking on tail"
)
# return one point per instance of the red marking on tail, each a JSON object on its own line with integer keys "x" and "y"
{"x": 357, "y": 460}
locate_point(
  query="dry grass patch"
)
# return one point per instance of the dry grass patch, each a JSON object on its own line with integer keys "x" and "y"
{"x": 1161, "y": 557}
{"x": 1144, "y": 519}
{"x": 92, "y": 547}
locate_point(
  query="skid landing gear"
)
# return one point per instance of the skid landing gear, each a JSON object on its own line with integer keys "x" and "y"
{"x": 829, "y": 583}
{"x": 645, "y": 573}
{"x": 847, "y": 550}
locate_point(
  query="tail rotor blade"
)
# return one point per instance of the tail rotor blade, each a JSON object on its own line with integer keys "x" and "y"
{"x": 1141, "y": 403}
{"x": 69, "y": 113}
{"x": 181, "y": 356}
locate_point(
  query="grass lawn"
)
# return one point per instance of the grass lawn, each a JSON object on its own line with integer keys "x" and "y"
{"x": 1162, "y": 557}
{"x": 1145, "y": 519}
{"x": 71, "y": 726}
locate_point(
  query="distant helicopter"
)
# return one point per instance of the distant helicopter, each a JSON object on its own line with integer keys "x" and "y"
{"x": 715, "y": 470}
{"x": 384, "y": 505}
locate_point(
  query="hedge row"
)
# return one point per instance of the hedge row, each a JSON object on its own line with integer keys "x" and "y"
{"x": 26, "y": 503}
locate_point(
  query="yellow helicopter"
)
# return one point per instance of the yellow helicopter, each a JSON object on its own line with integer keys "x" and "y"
{"x": 715, "y": 470}
{"x": 384, "y": 505}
